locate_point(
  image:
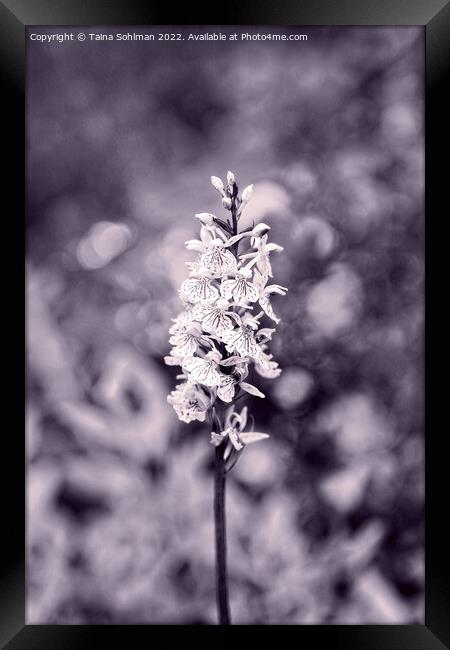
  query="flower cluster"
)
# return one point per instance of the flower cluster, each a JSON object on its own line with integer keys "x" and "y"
{"x": 218, "y": 336}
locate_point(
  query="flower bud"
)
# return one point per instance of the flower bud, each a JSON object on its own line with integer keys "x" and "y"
{"x": 217, "y": 184}
{"x": 226, "y": 202}
{"x": 205, "y": 218}
{"x": 230, "y": 179}
{"x": 247, "y": 193}
{"x": 260, "y": 229}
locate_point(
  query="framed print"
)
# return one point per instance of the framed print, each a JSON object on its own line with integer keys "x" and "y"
{"x": 225, "y": 227}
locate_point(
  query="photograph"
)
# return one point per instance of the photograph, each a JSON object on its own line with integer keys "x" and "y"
{"x": 225, "y": 239}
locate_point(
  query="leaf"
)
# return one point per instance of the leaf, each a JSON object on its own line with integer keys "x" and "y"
{"x": 249, "y": 388}
{"x": 249, "y": 438}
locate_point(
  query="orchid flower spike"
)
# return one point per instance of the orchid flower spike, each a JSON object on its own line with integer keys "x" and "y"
{"x": 221, "y": 331}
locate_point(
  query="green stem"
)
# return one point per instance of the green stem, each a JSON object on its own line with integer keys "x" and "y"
{"x": 223, "y": 607}
{"x": 235, "y": 246}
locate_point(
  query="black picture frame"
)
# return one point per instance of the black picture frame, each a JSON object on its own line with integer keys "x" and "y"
{"x": 434, "y": 15}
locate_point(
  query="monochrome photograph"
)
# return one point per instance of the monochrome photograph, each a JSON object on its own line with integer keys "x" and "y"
{"x": 225, "y": 324}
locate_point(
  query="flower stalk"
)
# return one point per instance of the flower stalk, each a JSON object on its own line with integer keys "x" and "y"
{"x": 223, "y": 607}
{"x": 218, "y": 336}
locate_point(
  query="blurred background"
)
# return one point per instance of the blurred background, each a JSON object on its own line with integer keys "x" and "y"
{"x": 325, "y": 519}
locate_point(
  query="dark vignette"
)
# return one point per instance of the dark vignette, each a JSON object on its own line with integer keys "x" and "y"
{"x": 13, "y": 73}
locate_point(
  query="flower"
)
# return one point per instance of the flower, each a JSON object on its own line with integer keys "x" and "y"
{"x": 205, "y": 218}
{"x": 234, "y": 425}
{"x": 203, "y": 370}
{"x": 215, "y": 318}
{"x": 239, "y": 288}
{"x": 226, "y": 389}
{"x": 182, "y": 321}
{"x": 266, "y": 367}
{"x": 242, "y": 340}
{"x": 261, "y": 257}
{"x": 186, "y": 340}
{"x": 260, "y": 281}
{"x": 189, "y": 402}
{"x": 208, "y": 235}
{"x": 265, "y": 303}
{"x": 199, "y": 289}
{"x": 219, "y": 334}
{"x": 259, "y": 230}
{"x": 219, "y": 260}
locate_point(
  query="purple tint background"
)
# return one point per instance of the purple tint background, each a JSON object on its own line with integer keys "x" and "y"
{"x": 326, "y": 518}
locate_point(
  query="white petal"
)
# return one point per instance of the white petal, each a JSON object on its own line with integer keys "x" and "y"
{"x": 237, "y": 238}
{"x": 267, "y": 368}
{"x": 206, "y": 235}
{"x": 195, "y": 245}
{"x": 216, "y": 321}
{"x": 219, "y": 260}
{"x": 243, "y": 341}
{"x": 205, "y": 218}
{"x": 266, "y": 332}
{"x": 226, "y": 288}
{"x": 260, "y": 279}
{"x": 172, "y": 361}
{"x": 202, "y": 371}
{"x": 263, "y": 264}
{"x": 276, "y": 288}
{"x": 266, "y": 305}
{"x": 234, "y": 437}
{"x": 199, "y": 290}
{"x": 260, "y": 229}
{"x": 243, "y": 417}
{"x": 217, "y": 438}
{"x": 249, "y": 438}
{"x": 249, "y": 388}
{"x": 244, "y": 291}
{"x": 226, "y": 390}
{"x": 247, "y": 256}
